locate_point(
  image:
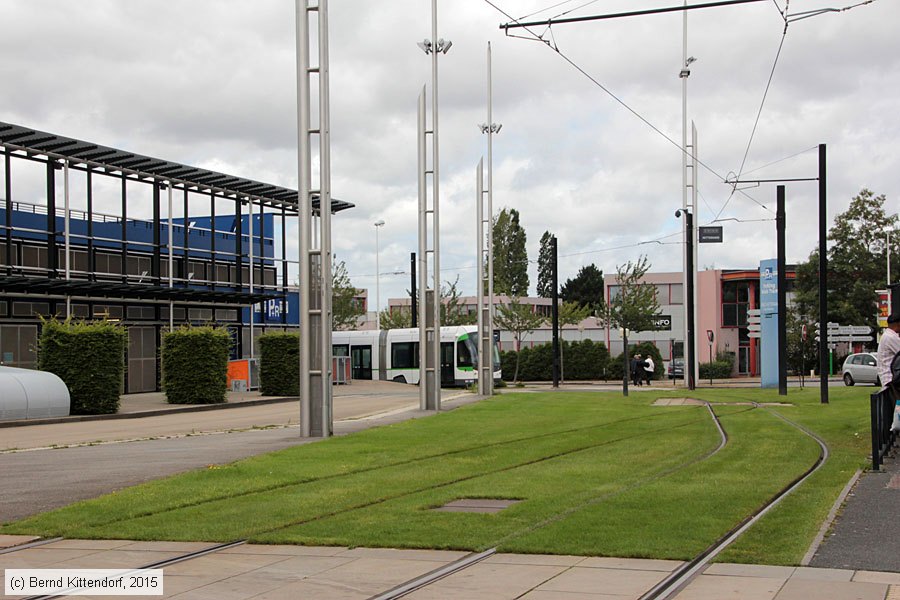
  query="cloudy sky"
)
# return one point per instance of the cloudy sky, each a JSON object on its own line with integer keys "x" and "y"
{"x": 212, "y": 84}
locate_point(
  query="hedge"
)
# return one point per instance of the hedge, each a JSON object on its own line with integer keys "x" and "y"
{"x": 585, "y": 360}
{"x": 718, "y": 369}
{"x": 617, "y": 366}
{"x": 279, "y": 364}
{"x": 89, "y": 358}
{"x": 195, "y": 365}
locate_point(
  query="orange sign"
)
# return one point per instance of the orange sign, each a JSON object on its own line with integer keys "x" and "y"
{"x": 884, "y": 307}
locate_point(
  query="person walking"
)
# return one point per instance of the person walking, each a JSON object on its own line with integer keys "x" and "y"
{"x": 637, "y": 370}
{"x": 888, "y": 347}
{"x": 649, "y": 367}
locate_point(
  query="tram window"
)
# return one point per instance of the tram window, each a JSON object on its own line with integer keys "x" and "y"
{"x": 463, "y": 355}
{"x": 404, "y": 355}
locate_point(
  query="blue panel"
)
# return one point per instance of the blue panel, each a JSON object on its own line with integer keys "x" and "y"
{"x": 768, "y": 318}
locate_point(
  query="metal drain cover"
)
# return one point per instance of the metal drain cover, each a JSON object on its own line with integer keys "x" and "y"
{"x": 477, "y": 505}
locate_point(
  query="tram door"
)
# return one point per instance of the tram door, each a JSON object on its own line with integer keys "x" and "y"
{"x": 141, "y": 359}
{"x": 361, "y": 362}
{"x": 447, "y": 364}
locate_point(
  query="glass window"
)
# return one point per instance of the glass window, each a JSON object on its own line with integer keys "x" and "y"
{"x": 340, "y": 350}
{"x": 34, "y": 256}
{"x": 226, "y": 314}
{"x": 222, "y": 273}
{"x": 4, "y": 311}
{"x": 676, "y": 291}
{"x": 662, "y": 293}
{"x": 404, "y": 355}
{"x": 729, "y": 315}
{"x": 613, "y": 292}
{"x": 82, "y": 311}
{"x": 200, "y": 314}
{"x": 729, "y": 292}
{"x": 463, "y": 354}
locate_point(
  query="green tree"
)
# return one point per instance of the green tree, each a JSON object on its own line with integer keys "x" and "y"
{"x": 345, "y": 308}
{"x": 519, "y": 319}
{"x": 801, "y": 354}
{"x": 856, "y": 264}
{"x": 570, "y": 313}
{"x": 633, "y": 306}
{"x": 510, "y": 256}
{"x": 586, "y": 289}
{"x": 545, "y": 267}
{"x": 398, "y": 319}
{"x": 453, "y": 311}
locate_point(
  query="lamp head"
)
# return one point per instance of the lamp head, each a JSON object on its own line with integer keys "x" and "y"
{"x": 379, "y": 223}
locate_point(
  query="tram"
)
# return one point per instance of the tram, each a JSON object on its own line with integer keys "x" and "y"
{"x": 393, "y": 354}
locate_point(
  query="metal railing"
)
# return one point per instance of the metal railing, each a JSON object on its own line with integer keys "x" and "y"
{"x": 883, "y": 438}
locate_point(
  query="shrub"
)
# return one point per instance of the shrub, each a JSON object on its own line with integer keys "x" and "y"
{"x": 581, "y": 361}
{"x": 195, "y": 364}
{"x": 616, "y": 367}
{"x": 89, "y": 358}
{"x": 718, "y": 369}
{"x": 279, "y": 364}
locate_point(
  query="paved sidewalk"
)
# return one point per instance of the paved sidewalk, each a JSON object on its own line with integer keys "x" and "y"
{"x": 866, "y": 534}
{"x": 336, "y": 573}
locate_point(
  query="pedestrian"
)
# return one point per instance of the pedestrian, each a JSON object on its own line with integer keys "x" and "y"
{"x": 636, "y": 368}
{"x": 888, "y": 347}
{"x": 649, "y": 367}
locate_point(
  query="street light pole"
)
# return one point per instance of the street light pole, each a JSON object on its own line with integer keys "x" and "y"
{"x": 378, "y": 224}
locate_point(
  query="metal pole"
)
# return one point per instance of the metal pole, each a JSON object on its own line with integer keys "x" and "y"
{"x": 252, "y": 268}
{"x": 823, "y": 281}
{"x": 171, "y": 262}
{"x": 627, "y": 363}
{"x": 68, "y": 263}
{"x": 325, "y": 285}
{"x": 691, "y": 357}
{"x": 435, "y": 183}
{"x": 694, "y": 232}
{"x": 304, "y": 213}
{"x": 490, "y": 212}
{"x": 413, "y": 295}
{"x": 686, "y": 272}
{"x": 484, "y": 371}
{"x": 782, "y": 295}
{"x": 377, "y": 280}
{"x": 889, "y": 258}
{"x": 554, "y": 308}
{"x": 426, "y": 371}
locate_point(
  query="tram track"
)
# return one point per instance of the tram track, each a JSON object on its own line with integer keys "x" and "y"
{"x": 374, "y": 468}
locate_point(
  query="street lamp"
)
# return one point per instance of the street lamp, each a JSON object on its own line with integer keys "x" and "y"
{"x": 379, "y": 223}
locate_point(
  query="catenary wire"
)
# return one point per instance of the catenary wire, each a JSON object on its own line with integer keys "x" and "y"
{"x": 595, "y": 81}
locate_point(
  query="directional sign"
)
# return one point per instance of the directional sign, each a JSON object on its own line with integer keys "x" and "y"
{"x": 753, "y": 312}
{"x": 754, "y": 327}
{"x": 755, "y": 334}
{"x": 849, "y": 338}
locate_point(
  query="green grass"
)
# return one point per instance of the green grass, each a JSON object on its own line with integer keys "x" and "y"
{"x": 597, "y": 474}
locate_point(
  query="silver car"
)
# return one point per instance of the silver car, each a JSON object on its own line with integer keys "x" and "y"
{"x": 861, "y": 368}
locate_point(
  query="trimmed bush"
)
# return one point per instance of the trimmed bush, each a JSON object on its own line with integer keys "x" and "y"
{"x": 585, "y": 360}
{"x": 89, "y": 358}
{"x": 195, "y": 365}
{"x": 718, "y": 369}
{"x": 279, "y": 364}
{"x": 617, "y": 367}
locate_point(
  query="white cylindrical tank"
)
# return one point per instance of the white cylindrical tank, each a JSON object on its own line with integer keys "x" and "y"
{"x": 29, "y": 394}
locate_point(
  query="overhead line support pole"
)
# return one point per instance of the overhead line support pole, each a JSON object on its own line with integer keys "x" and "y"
{"x": 823, "y": 279}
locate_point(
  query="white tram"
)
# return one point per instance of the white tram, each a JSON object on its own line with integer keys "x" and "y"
{"x": 393, "y": 355}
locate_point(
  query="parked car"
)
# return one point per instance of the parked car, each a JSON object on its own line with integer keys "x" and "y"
{"x": 861, "y": 368}
{"x": 676, "y": 368}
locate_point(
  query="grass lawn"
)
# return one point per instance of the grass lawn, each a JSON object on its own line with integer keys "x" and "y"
{"x": 597, "y": 474}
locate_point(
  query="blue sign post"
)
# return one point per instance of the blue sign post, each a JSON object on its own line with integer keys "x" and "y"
{"x": 768, "y": 320}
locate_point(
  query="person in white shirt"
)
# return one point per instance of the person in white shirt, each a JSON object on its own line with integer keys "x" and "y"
{"x": 888, "y": 347}
{"x": 649, "y": 367}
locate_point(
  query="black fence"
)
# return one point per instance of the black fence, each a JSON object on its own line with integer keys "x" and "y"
{"x": 882, "y": 406}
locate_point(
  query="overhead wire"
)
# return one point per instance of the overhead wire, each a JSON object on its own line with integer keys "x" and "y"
{"x": 553, "y": 45}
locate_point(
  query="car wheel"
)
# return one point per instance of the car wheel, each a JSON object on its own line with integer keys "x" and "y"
{"x": 848, "y": 379}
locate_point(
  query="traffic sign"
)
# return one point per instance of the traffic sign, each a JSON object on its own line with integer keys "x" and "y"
{"x": 754, "y": 334}
{"x": 709, "y": 234}
{"x": 849, "y": 338}
{"x": 754, "y": 327}
{"x": 753, "y": 312}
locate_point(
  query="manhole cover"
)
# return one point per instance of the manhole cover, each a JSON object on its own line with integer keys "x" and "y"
{"x": 477, "y": 505}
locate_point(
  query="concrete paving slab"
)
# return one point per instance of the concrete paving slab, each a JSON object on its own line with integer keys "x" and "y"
{"x": 489, "y": 581}
{"x": 719, "y": 587}
{"x": 310, "y": 589}
{"x": 877, "y": 577}
{"x": 621, "y": 582}
{"x": 223, "y": 565}
{"x": 551, "y": 560}
{"x": 115, "y": 559}
{"x": 285, "y": 550}
{"x": 741, "y": 570}
{"x": 638, "y": 564}
{"x": 539, "y": 595}
{"x": 41, "y": 557}
{"x": 375, "y": 575}
{"x": 8, "y": 541}
{"x": 89, "y": 544}
{"x": 804, "y": 589}
{"x": 822, "y": 574}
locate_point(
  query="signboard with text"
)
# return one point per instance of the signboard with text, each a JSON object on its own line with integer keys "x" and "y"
{"x": 709, "y": 234}
{"x": 768, "y": 313}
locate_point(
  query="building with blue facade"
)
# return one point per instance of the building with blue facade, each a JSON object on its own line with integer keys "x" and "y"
{"x": 92, "y": 232}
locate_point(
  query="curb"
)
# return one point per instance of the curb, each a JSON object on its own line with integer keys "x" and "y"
{"x": 145, "y": 413}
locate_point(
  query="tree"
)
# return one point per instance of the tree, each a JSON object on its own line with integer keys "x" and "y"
{"x": 570, "y": 313}
{"x": 856, "y": 264}
{"x": 510, "y": 256}
{"x": 633, "y": 307}
{"x": 520, "y": 320}
{"x": 545, "y": 267}
{"x": 452, "y": 310}
{"x": 345, "y": 309}
{"x": 586, "y": 289}
{"x": 801, "y": 354}
{"x": 398, "y": 319}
